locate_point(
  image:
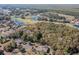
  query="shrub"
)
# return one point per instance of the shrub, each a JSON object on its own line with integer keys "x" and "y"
{"x": 1, "y": 52}
{"x": 23, "y": 50}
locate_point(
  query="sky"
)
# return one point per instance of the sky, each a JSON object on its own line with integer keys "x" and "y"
{"x": 39, "y": 1}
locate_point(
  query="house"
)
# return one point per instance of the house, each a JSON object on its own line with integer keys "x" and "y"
{"x": 75, "y": 22}
{"x": 35, "y": 17}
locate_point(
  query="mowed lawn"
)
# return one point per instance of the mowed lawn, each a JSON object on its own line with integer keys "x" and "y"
{"x": 25, "y": 21}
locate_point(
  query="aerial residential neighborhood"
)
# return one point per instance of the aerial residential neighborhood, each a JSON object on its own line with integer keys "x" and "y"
{"x": 39, "y": 31}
